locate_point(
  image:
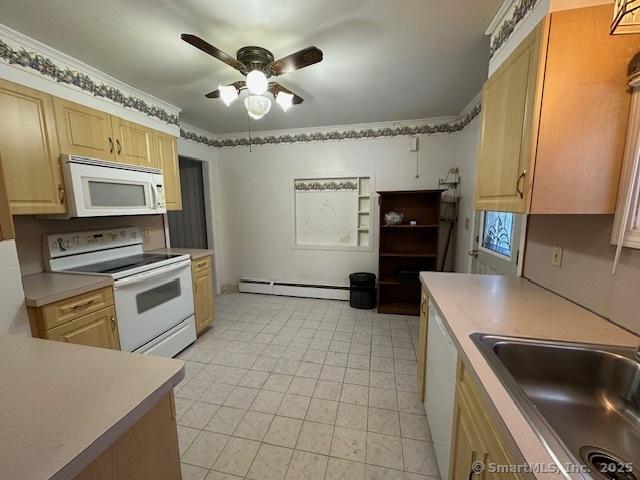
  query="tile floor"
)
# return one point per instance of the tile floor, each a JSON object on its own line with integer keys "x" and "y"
{"x": 285, "y": 388}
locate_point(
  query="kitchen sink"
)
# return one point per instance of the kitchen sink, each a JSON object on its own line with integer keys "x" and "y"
{"x": 582, "y": 400}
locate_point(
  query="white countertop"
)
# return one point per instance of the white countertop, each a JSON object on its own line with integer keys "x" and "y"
{"x": 512, "y": 306}
{"x": 62, "y": 405}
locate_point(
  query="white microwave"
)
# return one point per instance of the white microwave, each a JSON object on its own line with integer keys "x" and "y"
{"x": 96, "y": 188}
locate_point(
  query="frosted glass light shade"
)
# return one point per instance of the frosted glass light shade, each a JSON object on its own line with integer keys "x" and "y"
{"x": 285, "y": 100}
{"x": 228, "y": 94}
{"x": 257, "y": 82}
{"x": 257, "y": 106}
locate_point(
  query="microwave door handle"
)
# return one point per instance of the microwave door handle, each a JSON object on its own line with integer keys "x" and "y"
{"x": 143, "y": 277}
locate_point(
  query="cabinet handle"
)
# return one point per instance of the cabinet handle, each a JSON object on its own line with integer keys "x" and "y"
{"x": 521, "y": 177}
{"x": 61, "y": 193}
{"x": 422, "y": 307}
{"x": 82, "y": 305}
{"x": 119, "y": 147}
{"x": 110, "y": 145}
{"x": 201, "y": 264}
{"x": 113, "y": 323}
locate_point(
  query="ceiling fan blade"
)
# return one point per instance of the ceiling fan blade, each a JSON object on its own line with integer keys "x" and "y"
{"x": 240, "y": 84}
{"x": 275, "y": 88}
{"x": 296, "y": 61}
{"x": 206, "y": 47}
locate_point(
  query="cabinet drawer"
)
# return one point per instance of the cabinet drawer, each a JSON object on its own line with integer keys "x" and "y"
{"x": 68, "y": 309}
{"x": 201, "y": 264}
{"x": 97, "y": 329}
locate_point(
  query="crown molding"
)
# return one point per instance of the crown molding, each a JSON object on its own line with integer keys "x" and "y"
{"x": 508, "y": 17}
{"x": 30, "y": 62}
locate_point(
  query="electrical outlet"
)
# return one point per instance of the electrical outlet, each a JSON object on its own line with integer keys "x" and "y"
{"x": 556, "y": 256}
{"x": 467, "y": 222}
{"x": 147, "y": 231}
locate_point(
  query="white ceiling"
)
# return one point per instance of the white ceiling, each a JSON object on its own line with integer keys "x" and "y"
{"x": 384, "y": 60}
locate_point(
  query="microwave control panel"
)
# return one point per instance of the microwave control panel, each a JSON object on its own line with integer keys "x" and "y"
{"x": 160, "y": 199}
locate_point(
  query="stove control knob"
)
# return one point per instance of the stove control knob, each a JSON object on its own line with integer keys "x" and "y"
{"x": 54, "y": 246}
{"x": 65, "y": 244}
{"x": 134, "y": 234}
{"x": 76, "y": 240}
{"x": 123, "y": 234}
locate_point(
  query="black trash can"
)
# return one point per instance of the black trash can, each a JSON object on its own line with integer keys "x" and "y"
{"x": 362, "y": 292}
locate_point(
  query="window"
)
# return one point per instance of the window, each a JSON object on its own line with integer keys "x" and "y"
{"x": 497, "y": 232}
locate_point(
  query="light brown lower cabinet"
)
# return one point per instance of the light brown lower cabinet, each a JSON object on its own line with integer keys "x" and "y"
{"x": 148, "y": 450}
{"x": 86, "y": 319}
{"x": 475, "y": 437}
{"x": 201, "y": 272}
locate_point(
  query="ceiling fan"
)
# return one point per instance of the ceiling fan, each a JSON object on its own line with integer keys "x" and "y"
{"x": 258, "y": 65}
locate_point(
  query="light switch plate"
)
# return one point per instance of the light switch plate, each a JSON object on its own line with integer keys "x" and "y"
{"x": 556, "y": 256}
{"x": 147, "y": 231}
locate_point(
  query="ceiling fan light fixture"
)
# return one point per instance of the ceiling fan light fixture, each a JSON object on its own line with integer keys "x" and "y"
{"x": 228, "y": 94}
{"x": 257, "y": 106}
{"x": 285, "y": 100}
{"x": 257, "y": 82}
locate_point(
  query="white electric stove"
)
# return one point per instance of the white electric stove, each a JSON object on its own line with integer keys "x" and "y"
{"x": 153, "y": 292}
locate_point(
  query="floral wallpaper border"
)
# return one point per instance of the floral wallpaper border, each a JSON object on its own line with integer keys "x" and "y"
{"x": 325, "y": 184}
{"x": 353, "y": 134}
{"x": 48, "y": 68}
{"x": 509, "y": 25}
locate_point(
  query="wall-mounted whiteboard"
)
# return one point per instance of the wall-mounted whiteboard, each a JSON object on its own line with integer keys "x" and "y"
{"x": 328, "y": 212}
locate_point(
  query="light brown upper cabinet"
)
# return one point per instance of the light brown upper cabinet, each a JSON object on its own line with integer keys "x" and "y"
{"x": 84, "y": 131}
{"x": 6, "y": 222}
{"x": 166, "y": 152}
{"x": 29, "y": 151}
{"x": 133, "y": 144}
{"x": 555, "y": 117}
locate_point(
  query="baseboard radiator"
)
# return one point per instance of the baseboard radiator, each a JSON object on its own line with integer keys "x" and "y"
{"x": 304, "y": 290}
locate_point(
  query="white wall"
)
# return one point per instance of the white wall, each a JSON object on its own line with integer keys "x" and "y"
{"x": 256, "y": 200}
{"x": 13, "y": 314}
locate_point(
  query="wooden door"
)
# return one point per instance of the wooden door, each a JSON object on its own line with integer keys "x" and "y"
{"x": 422, "y": 342}
{"x": 505, "y": 152}
{"x": 84, "y": 131}
{"x": 133, "y": 143}
{"x": 97, "y": 329}
{"x": 29, "y": 151}
{"x": 203, "y": 299}
{"x": 166, "y": 152}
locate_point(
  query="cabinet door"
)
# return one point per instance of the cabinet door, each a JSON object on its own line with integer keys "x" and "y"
{"x": 422, "y": 342}
{"x": 133, "y": 143}
{"x": 84, "y": 131}
{"x": 203, "y": 299}
{"x": 6, "y": 222}
{"x": 505, "y": 151}
{"x": 29, "y": 151}
{"x": 466, "y": 446}
{"x": 166, "y": 152}
{"x": 97, "y": 329}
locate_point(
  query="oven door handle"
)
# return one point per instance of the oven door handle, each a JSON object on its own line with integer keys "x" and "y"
{"x": 157, "y": 272}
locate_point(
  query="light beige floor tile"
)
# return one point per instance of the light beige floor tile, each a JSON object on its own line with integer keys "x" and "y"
{"x": 307, "y": 466}
{"x": 287, "y": 366}
{"x": 338, "y": 469}
{"x": 182, "y": 405}
{"x": 359, "y": 361}
{"x": 264, "y": 364}
{"x": 225, "y": 420}
{"x": 241, "y": 397}
{"x": 382, "y": 364}
{"x": 315, "y": 356}
{"x": 191, "y": 472}
{"x": 278, "y": 382}
{"x": 338, "y": 346}
{"x": 213, "y": 475}
{"x": 414, "y": 426}
{"x": 323, "y": 411}
{"x": 384, "y": 421}
{"x": 336, "y": 359}
{"x": 383, "y": 398}
{"x": 205, "y": 449}
{"x": 254, "y": 425}
{"x": 419, "y": 457}
{"x": 237, "y": 456}
{"x": 406, "y": 367}
{"x": 382, "y": 380}
{"x": 186, "y": 436}
{"x": 382, "y": 351}
{"x": 360, "y": 348}
{"x": 356, "y": 394}
{"x": 417, "y": 476}
{"x": 198, "y": 415}
{"x": 309, "y": 370}
{"x": 352, "y": 416}
{"x": 328, "y": 390}
{"x": 409, "y": 402}
{"x": 381, "y": 473}
{"x": 315, "y": 438}
{"x": 254, "y": 379}
{"x": 384, "y": 451}
{"x": 356, "y": 377}
{"x": 294, "y": 406}
{"x": 267, "y": 401}
{"x": 302, "y": 386}
{"x": 349, "y": 444}
{"x": 271, "y": 463}
{"x": 406, "y": 383}
{"x": 217, "y": 393}
{"x": 283, "y": 432}
{"x": 333, "y": 374}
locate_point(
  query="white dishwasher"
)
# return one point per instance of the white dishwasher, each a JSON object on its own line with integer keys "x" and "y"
{"x": 440, "y": 387}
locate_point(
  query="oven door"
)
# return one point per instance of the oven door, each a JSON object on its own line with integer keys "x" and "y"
{"x": 150, "y": 303}
{"x": 96, "y": 189}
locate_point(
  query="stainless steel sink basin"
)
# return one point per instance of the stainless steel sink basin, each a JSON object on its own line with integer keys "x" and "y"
{"x": 582, "y": 400}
